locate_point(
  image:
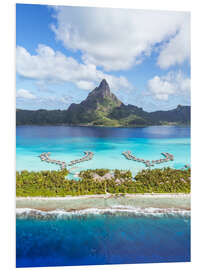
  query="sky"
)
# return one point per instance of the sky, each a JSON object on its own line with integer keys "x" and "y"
{"x": 63, "y": 52}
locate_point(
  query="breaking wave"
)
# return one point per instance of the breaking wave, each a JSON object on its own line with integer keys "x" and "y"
{"x": 114, "y": 210}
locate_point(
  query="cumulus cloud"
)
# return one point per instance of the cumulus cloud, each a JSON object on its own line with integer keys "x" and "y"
{"x": 46, "y": 102}
{"x": 117, "y": 39}
{"x": 53, "y": 66}
{"x": 171, "y": 84}
{"x": 177, "y": 50}
{"x": 25, "y": 94}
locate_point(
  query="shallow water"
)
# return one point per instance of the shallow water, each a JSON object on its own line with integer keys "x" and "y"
{"x": 69, "y": 143}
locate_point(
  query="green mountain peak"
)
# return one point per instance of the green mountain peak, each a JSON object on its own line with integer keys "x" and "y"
{"x": 103, "y": 108}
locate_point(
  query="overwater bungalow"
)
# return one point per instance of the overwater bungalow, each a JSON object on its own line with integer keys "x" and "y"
{"x": 148, "y": 163}
{"x": 45, "y": 157}
{"x": 88, "y": 155}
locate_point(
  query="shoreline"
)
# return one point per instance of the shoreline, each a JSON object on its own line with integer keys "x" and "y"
{"x": 101, "y": 126}
{"x": 102, "y": 203}
{"x": 128, "y": 195}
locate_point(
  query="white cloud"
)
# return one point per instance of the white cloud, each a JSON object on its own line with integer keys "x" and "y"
{"x": 85, "y": 84}
{"x": 22, "y": 93}
{"x": 45, "y": 102}
{"x": 65, "y": 100}
{"x": 117, "y": 39}
{"x": 52, "y": 66}
{"x": 171, "y": 84}
{"x": 177, "y": 50}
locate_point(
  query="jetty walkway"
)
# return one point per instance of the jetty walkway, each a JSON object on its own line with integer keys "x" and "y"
{"x": 45, "y": 157}
{"x": 148, "y": 163}
{"x": 88, "y": 156}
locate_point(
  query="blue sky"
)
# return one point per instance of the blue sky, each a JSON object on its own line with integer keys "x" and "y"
{"x": 62, "y": 53}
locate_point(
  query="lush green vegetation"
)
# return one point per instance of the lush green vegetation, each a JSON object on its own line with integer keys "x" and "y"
{"x": 164, "y": 180}
{"x": 101, "y": 181}
{"x": 40, "y": 117}
{"x": 95, "y": 117}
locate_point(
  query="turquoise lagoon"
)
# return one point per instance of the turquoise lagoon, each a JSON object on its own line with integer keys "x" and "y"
{"x": 69, "y": 143}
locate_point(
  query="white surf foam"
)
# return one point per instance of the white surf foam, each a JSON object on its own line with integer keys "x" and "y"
{"x": 115, "y": 210}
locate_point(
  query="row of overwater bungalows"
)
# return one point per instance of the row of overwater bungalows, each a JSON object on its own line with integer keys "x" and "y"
{"x": 88, "y": 156}
{"x": 45, "y": 157}
{"x": 149, "y": 163}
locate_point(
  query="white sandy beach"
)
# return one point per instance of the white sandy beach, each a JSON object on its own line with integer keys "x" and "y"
{"x": 106, "y": 201}
{"x": 143, "y": 195}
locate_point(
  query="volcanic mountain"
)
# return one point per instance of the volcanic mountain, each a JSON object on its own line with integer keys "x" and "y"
{"x": 103, "y": 108}
{"x": 96, "y": 108}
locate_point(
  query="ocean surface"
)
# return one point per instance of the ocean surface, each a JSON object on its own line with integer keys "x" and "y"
{"x": 69, "y": 143}
{"x": 102, "y": 239}
{"x": 108, "y": 233}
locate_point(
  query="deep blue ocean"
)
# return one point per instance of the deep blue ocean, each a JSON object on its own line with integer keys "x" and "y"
{"x": 103, "y": 238}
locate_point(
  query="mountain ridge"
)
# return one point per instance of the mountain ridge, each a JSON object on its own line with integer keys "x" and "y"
{"x": 103, "y": 108}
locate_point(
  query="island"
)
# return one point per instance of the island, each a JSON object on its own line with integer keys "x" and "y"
{"x": 103, "y": 108}
{"x": 102, "y": 181}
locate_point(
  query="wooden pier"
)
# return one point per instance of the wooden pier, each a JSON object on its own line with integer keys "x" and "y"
{"x": 148, "y": 163}
{"x": 88, "y": 156}
{"x": 45, "y": 157}
{"x": 168, "y": 156}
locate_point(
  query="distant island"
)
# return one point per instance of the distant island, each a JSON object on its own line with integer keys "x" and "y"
{"x": 103, "y": 108}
